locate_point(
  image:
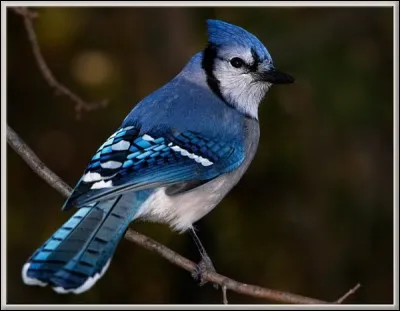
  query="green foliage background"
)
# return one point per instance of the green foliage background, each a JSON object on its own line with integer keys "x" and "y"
{"x": 314, "y": 213}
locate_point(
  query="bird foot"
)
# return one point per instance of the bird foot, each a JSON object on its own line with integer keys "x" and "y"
{"x": 203, "y": 267}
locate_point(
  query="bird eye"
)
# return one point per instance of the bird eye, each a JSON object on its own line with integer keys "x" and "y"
{"x": 237, "y": 62}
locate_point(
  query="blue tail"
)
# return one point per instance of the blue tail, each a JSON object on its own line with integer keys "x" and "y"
{"x": 79, "y": 253}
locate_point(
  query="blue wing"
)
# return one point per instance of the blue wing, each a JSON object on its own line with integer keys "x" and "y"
{"x": 131, "y": 160}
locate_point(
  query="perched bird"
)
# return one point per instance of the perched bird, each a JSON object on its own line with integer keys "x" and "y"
{"x": 172, "y": 160}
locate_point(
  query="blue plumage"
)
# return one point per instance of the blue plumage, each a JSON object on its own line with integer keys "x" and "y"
{"x": 127, "y": 160}
{"x": 172, "y": 160}
{"x": 79, "y": 253}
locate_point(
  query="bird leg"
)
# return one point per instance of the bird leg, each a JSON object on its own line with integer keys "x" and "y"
{"x": 205, "y": 265}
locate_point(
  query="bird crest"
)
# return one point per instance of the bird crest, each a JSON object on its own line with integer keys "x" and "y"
{"x": 224, "y": 34}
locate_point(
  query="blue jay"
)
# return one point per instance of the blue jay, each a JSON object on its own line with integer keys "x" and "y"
{"x": 175, "y": 156}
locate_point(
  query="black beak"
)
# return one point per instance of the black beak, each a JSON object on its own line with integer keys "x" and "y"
{"x": 275, "y": 76}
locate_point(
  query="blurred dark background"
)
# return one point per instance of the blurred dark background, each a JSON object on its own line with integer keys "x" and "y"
{"x": 314, "y": 213}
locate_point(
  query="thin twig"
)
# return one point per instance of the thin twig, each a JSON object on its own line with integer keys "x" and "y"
{"x": 35, "y": 164}
{"x": 53, "y": 180}
{"x": 25, "y": 13}
{"x": 224, "y": 296}
{"x": 61, "y": 89}
{"x": 349, "y": 293}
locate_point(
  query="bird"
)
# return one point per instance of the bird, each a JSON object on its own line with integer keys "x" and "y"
{"x": 176, "y": 155}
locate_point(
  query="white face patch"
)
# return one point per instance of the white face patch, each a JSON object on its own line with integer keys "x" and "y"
{"x": 239, "y": 51}
{"x": 238, "y": 86}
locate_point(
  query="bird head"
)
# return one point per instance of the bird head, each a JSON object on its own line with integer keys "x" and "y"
{"x": 239, "y": 67}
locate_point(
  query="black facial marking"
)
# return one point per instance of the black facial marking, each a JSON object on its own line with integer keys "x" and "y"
{"x": 209, "y": 56}
{"x": 255, "y": 55}
{"x": 253, "y": 67}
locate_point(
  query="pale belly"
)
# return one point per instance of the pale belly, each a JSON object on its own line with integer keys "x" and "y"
{"x": 182, "y": 210}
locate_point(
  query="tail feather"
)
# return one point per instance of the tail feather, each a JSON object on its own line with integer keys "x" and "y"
{"x": 79, "y": 253}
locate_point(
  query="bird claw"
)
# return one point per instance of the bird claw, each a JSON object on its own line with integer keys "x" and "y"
{"x": 203, "y": 267}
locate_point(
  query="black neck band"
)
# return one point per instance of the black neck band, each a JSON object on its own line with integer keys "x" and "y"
{"x": 209, "y": 56}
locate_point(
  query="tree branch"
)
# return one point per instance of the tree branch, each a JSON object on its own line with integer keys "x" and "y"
{"x": 61, "y": 89}
{"x": 216, "y": 278}
{"x": 53, "y": 180}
